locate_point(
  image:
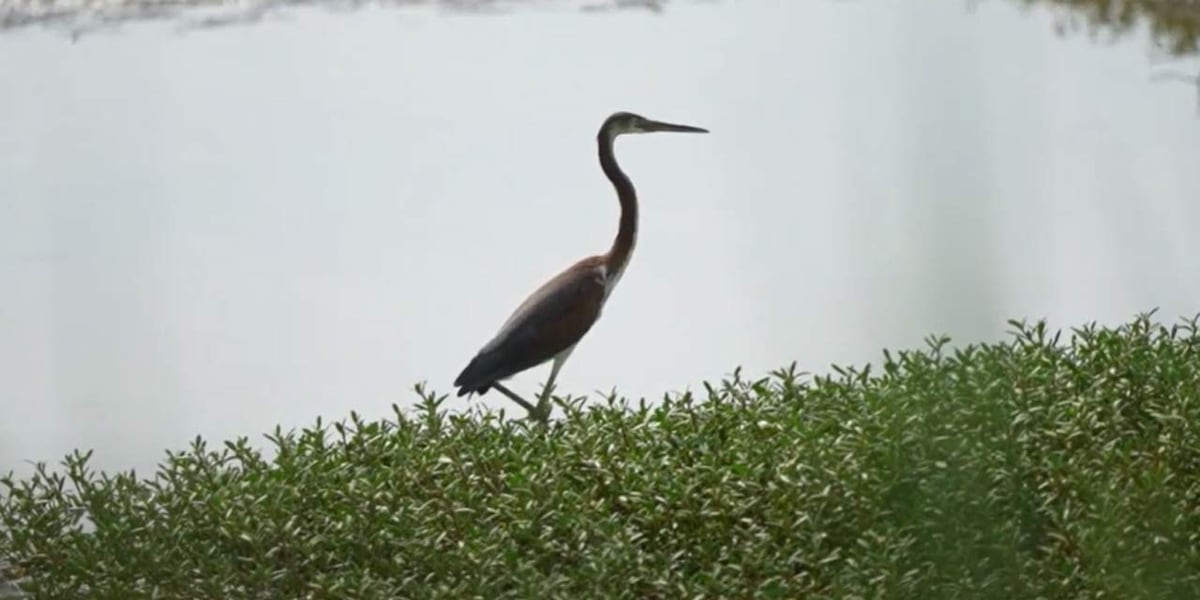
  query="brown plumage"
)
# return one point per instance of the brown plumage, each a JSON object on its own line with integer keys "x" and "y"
{"x": 552, "y": 320}
{"x": 548, "y": 323}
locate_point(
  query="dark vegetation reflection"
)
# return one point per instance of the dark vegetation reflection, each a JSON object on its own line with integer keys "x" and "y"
{"x": 78, "y": 18}
{"x": 1175, "y": 24}
{"x": 1174, "y": 27}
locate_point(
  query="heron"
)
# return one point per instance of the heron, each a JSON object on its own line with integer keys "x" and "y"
{"x": 550, "y": 322}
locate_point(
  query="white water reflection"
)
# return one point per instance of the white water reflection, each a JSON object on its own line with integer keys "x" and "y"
{"x": 218, "y": 232}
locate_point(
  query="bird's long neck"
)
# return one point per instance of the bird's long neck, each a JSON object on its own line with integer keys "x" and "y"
{"x": 622, "y": 246}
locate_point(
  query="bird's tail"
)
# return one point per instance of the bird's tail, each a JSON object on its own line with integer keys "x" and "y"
{"x": 472, "y": 379}
{"x": 463, "y": 391}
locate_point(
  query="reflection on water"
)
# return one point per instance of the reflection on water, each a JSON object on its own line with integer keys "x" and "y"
{"x": 213, "y": 234}
{"x": 79, "y": 18}
{"x": 1174, "y": 24}
{"x": 1174, "y": 27}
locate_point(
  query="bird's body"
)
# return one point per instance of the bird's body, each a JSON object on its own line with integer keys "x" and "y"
{"x": 546, "y": 326}
{"x": 555, "y": 317}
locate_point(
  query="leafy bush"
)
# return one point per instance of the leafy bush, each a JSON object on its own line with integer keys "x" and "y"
{"x": 1025, "y": 469}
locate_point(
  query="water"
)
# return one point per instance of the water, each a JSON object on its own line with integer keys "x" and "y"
{"x": 211, "y": 231}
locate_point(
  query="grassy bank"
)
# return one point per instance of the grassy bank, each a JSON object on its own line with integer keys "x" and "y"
{"x": 1052, "y": 466}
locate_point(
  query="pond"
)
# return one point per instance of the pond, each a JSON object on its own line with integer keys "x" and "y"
{"x": 213, "y": 223}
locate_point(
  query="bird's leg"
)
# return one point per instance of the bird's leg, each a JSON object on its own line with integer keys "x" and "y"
{"x": 543, "y": 406}
{"x": 515, "y": 398}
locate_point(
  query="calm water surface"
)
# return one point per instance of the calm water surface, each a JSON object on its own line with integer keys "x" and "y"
{"x": 212, "y": 232}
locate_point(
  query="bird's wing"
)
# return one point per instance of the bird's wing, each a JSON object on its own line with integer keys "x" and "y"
{"x": 553, "y": 318}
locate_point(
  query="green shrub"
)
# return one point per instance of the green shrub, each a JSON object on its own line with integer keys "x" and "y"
{"x": 1025, "y": 469}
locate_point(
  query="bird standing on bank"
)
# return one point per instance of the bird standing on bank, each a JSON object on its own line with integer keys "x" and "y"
{"x": 551, "y": 321}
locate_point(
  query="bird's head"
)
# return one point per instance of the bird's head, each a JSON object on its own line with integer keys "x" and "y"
{"x": 626, "y": 122}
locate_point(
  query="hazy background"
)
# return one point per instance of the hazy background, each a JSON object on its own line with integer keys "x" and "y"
{"x": 216, "y": 231}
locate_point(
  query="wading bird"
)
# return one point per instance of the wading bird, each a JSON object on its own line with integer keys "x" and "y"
{"x": 552, "y": 320}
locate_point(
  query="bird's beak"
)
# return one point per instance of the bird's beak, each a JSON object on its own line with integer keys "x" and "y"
{"x": 649, "y": 125}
